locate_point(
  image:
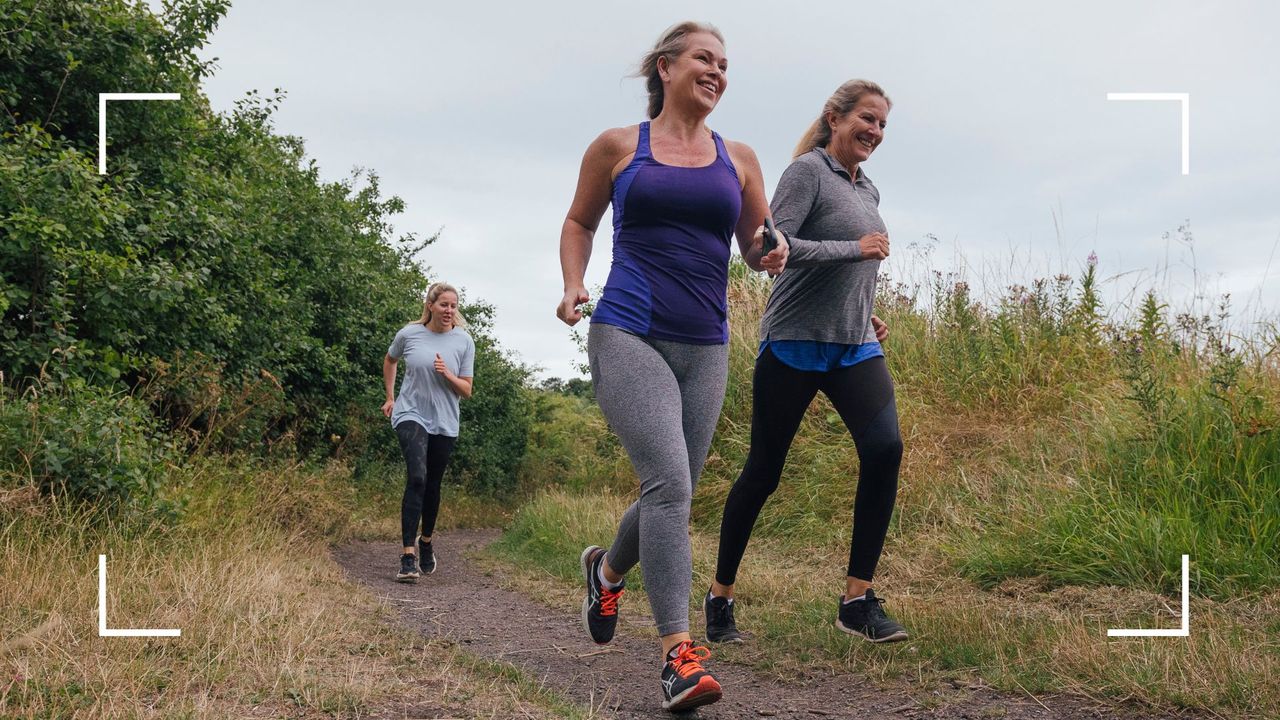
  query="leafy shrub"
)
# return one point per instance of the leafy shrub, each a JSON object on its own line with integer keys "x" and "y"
{"x": 86, "y": 443}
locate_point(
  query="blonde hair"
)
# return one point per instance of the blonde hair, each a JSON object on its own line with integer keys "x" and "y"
{"x": 433, "y": 293}
{"x": 674, "y": 41}
{"x": 841, "y": 103}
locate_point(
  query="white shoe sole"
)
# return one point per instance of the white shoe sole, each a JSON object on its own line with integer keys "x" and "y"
{"x": 896, "y": 637}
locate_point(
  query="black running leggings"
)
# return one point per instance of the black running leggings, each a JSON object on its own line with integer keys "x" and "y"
{"x": 426, "y": 456}
{"x": 863, "y": 395}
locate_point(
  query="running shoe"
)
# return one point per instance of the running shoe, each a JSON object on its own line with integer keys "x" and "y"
{"x": 408, "y": 569}
{"x": 600, "y": 606}
{"x": 426, "y": 557}
{"x": 720, "y": 625}
{"x": 866, "y": 617}
{"x": 685, "y": 684}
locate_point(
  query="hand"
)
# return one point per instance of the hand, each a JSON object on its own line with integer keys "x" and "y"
{"x": 442, "y": 368}
{"x": 775, "y": 261}
{"x": 882, "y": 330}
{"x": 388, "y": 406}
{"x": 568, "y": 310}
{"x": 874, "y": 246}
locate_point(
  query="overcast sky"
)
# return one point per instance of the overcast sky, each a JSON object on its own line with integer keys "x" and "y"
{"x": 1001, "y": 142}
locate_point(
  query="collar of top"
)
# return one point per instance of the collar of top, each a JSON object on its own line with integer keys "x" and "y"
{"x": 836, "y": 167}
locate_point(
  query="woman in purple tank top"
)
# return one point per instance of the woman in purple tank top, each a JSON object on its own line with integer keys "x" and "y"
{"x": 658, "y": 340}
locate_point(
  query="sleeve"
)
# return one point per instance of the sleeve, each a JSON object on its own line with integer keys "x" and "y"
{"x": 468, "y": 366}
{"x": 793, "y": 202}
{"x": 396, "y": 351}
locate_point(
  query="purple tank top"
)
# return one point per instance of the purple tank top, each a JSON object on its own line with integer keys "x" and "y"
{"x": 671, "y": 232}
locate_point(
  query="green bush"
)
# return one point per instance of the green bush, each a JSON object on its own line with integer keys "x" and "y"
{"x": 211, "y": 266}
{"x": 85, "y": 443}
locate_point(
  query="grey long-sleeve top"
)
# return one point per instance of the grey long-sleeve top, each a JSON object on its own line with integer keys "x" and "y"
{"x": 826, "y": 292}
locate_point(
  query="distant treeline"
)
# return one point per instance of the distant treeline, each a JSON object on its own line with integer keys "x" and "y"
{"x": 211, "y": 281}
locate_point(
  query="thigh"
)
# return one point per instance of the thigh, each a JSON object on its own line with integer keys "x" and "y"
{"x": 780, "y": 395}
{"x": 639, "y": 396}
{"x": 859, "y": 393}
{"x": 439, "y": 449}
{"x": 413, "y": 442}
{"x": 702, "y": 373}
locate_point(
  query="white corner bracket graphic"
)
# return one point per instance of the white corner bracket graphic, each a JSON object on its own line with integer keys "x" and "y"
{"x": 1185, "y": 100}
{"x": 1185, "y": 630}
{"x": 103, "y": 630}
{"x": 102, "y": 118}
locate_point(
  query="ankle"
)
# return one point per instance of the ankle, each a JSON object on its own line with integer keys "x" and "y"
{"x": 721, "y": 591}
{"x": 607, "y": 575}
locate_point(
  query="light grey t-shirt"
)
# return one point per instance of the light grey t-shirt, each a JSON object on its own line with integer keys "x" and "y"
{"x": 826, "y": 292}
{"x": 425, "y": 396}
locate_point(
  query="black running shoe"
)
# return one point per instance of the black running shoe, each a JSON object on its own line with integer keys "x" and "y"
{"x": 426, "y": 557}
{"x": 867, "y": 618}
{"x": 720, "y": 625}
{"x": 600, "y": 606}
{"x": 685, "y": 684}
{"x": 408, "y": 569}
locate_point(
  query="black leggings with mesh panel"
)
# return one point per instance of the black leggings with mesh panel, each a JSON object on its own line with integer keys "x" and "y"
{"x": 863, "y": 396}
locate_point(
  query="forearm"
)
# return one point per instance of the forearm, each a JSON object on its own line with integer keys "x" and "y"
{"x": 389, "y": 378}
{"x": 575, "y": 251}
{"x": 460, "y": 386}
{"x": 807, "y": 253}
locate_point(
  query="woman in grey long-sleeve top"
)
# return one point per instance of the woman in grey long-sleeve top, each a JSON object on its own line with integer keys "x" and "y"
{"x": 818, "y": 334}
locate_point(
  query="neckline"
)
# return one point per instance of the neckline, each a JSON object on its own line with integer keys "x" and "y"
{"x": 715, "y": 140}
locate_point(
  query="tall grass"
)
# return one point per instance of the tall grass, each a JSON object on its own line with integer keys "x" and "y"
{"x": 270, "y": 625}
{"x": 1060, "y": 456}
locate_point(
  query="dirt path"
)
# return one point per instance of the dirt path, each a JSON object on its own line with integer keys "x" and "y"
{"x": 620, "y": 680}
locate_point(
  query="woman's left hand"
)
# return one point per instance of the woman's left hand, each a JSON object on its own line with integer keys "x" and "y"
{"x": 882, "y": 330}
{"x": 442, "y": 368}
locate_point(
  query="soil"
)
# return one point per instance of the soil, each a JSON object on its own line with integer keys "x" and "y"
{"x": 462, "y": 604}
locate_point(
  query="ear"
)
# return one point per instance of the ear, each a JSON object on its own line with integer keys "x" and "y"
{"x": 664, "y": 68}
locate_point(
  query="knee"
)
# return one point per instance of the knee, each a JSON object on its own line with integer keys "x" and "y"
{"x": 675, "y": 493}
{"x": 416, "y": 479}
{"x": 760, "y": 476}
{"x": 884, "y": 448}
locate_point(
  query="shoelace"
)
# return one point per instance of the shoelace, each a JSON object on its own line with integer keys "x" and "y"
{"x": 724, "y": 616}
{"x": 609, "y": 601}
{"x": 688, "y": 659}
{"x": 877, "y": 609}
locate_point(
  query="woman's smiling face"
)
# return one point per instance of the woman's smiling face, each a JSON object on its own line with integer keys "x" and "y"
{"x": 859, "y": 132}
{"x": 699, "y": 73}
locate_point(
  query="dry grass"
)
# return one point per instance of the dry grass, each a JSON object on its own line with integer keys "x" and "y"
{"x": 270, "y": 626}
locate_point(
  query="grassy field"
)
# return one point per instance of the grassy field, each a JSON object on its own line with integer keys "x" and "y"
{"x": 1060, "y": 458}
{"x": 270, "y": 625}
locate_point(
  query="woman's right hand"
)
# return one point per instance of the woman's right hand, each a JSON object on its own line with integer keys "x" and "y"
{"x": 388, "y": 406}
{"x": 874, "y": 246}
{"x": 568, "y": 310}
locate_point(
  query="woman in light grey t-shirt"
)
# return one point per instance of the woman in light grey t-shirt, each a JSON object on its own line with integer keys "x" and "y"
{"x": 439, "y": 363}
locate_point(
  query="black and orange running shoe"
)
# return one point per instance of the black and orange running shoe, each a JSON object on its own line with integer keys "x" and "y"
{"x": 685, "y": 683}
{"x": 600, "y": 606}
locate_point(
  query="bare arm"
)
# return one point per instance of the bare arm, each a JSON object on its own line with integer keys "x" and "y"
{"x": 595, "y": 182}
{"x": 750, "y": 228}
{"x": 389, "y": 382}
{"x": 460, "y": 385}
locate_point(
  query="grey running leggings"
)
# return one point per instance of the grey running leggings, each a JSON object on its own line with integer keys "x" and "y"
{"x": 663, "y": 399}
